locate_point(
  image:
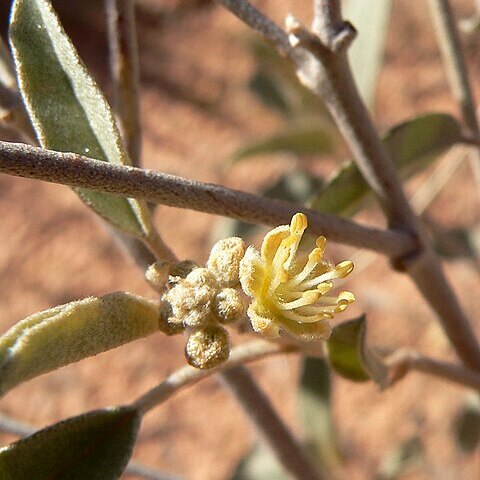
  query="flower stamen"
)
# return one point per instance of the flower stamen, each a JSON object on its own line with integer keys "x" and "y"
{"x": 289, "y": 290}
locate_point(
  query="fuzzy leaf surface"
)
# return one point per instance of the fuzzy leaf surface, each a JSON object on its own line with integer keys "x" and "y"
{"x": 68, "y": 333}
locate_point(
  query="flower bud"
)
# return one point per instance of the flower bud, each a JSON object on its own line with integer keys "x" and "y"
{"x": 201, "y": 276}
{"x": 207, "y": 347}
{"x": 195, "y": 292}
{"x": 225, "y": 259}
{"x": 228, "y": 306}
{"x": 199, "y": 317}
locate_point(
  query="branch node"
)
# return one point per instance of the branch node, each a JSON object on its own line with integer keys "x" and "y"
{"x": 403, "y": 262}
{"x": 301, "y": 36}
{"x": 343, "y": 38}
{"x": 293, "y": 27}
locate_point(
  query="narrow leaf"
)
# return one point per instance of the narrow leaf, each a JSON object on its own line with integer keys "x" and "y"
{"x": 351, "y": 357}
{"x": 68, "y": 333}
{"x": 68, "y": 111}
{"x": 307, "y": 141}
{"x": 94, "y": 446}
{"x": 259, "y": 464}
{"x": 315, "y": 410}
{"x": 413, "y": 145}
{"x": 467, "y": 426}
{"x": 371, "y": 19}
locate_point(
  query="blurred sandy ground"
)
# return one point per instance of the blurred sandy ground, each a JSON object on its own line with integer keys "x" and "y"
{"x": 196, "y": 110}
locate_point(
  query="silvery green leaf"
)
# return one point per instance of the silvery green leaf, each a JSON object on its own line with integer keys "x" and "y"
{"x": 67, "y": 109}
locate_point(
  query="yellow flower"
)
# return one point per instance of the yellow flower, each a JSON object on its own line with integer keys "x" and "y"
{"x": 289, "y": 291}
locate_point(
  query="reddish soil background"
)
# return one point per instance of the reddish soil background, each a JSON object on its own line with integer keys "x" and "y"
{"x": 196, "y": 109}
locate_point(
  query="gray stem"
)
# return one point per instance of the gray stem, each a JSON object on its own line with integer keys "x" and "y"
{"x": 269, "y": 425}
{"x": 404, "y": 361}
{"x": 75, "y": 170}
{"x": 259, "y": 22}
{"x": 124, "y": 68}
{"x": 187, "y": 376}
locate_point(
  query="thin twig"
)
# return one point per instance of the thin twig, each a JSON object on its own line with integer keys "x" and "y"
{"x": 188, "y": 376}
{"x": 269, "y": 425}
{"x": 21, "y": 429}
{"x": 15, "y": 427}
{"x": 141, "y": 255}
{"x": 457, "y": 72}
{"x": 259, "y": 22}
{"x": 75, "y": 170}
{"x": 454, "y": 62}
{"x": 124, "y": 69}
{"x": 422, "y": 197}
{"x": 403, "y": 361}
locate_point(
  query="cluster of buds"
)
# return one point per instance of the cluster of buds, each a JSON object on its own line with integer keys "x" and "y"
{"x": 289, "y": 292}
{"x": 202, "y": 300}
